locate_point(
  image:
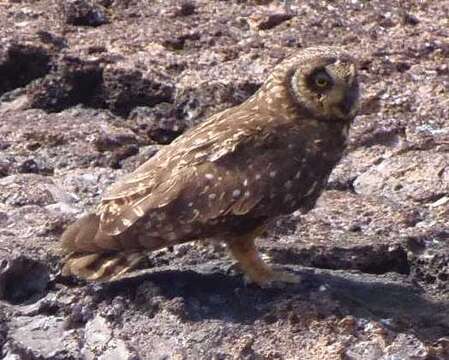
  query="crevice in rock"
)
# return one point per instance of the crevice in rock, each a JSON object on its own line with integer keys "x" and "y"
{"x": 20, "y": 64}
{"x": 76, "y": 81}
{"x": 84, "y": 13}
{"x": 23, "y": 280}
{"x": 3, "y": 332}
{"x": 125, "y": 89}
{"x": 346, "y": 184}
{"x": 379, "y": 259}
{"x": 160, "y": 124}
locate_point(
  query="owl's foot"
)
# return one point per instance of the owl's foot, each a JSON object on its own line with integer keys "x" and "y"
{"x": 255, "y": 269}
{"x": 273, "y": 279}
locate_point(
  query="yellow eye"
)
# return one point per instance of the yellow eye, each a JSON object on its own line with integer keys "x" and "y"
{"x": 321, "y": 81}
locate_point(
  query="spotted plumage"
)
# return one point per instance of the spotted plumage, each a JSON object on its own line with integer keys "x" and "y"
{"x": 230, "y": 175}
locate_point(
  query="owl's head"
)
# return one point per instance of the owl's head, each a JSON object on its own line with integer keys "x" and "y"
{"x": 323, "y": 81}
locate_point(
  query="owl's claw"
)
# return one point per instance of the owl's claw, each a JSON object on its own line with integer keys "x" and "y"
{"x": 273, "y": 279}
{"x": 255, "y": 269}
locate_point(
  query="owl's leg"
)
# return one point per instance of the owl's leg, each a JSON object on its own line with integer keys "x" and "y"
{"x": 245, "y": 252}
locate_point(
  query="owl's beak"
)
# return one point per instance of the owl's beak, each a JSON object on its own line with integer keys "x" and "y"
{"x": 349, "y": 105}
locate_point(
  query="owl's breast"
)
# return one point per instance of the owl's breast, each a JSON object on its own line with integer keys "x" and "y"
{"x": 315, "y": 175}
{"x": 303, "y": 170}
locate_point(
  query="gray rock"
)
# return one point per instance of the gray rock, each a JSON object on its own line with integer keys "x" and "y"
{"x": 413, "y": 176}
{"x": 100, "y": 342}
{"x": 41, "y": 337}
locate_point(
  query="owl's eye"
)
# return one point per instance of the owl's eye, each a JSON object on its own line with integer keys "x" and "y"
{"x": 322, "y": 80}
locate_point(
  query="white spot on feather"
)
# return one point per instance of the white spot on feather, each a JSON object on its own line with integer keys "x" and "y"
{"x": 138, "y": 211}
{"x": 186, "y": 228}
{"x": 196, "y": 213}
{"x": 171, "y": 236}
{"x": 236, "y": 193}
{"x": 312, "y": 188}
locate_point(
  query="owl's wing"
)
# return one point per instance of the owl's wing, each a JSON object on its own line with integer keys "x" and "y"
{"x": 147, "y": 176}
{"x": 206, "y": 171}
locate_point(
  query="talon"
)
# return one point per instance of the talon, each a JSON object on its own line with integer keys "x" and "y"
{"x": 276, "y": 278}
{"x": 255, "y": 269}
{"x": 284, "y": 276}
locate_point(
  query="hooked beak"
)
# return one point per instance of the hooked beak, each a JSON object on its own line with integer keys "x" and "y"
{"x": 349, "y": 106}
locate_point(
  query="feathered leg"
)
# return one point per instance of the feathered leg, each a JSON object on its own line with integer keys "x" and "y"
{"x": 244, "y": 251}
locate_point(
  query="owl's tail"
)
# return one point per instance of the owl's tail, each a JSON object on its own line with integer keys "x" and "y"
{"x": 92, "y": 255}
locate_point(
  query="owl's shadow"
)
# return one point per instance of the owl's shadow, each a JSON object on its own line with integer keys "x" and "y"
{"x": 209, "y": 294}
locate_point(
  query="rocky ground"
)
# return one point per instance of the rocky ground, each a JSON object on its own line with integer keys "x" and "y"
{"x": 91, "y": 89}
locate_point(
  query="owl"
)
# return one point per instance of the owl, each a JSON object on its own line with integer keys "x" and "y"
{"x": 230, "y": 176}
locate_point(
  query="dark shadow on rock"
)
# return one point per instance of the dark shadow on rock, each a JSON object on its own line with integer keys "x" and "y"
{"x": 22, "y": 63}
{"x": 388, "y": 299}
{"x": 206, "y": 293}
{"x": 22, "y": 280}
{"x": 371, "y": 259}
